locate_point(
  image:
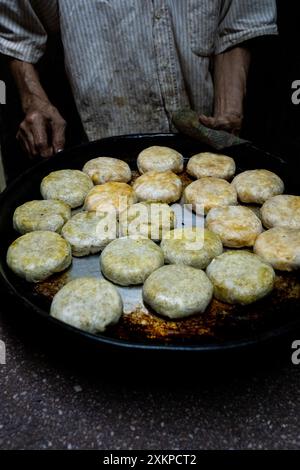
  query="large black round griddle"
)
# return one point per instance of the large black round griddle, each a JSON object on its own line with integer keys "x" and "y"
{"x": 223, "y": 328}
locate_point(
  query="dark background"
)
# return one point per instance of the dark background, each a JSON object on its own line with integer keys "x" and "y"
{"x": 271, "y": 120}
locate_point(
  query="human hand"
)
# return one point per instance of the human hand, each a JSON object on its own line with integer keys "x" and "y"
{"x": 42, "y": 132}
{"x": 230, "y": 122}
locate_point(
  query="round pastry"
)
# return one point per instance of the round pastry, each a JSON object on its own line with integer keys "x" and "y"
{"x": 88, "y": 303}
{"x": 160, "y": 159}
{"x": 69, "y": 186}
{"x": 280, "y": 247}
{"x": 191, "y": 246}
{"x": 148, "y": 219}
{"x": 110, "y": 197}
{"x": 178, "y": 291}
{"x": 89, "y": 232}
{"x": 129, "y": 261}
{"x": 158, "y": 187}
{"x": 240, "y": 277}
{"x": 41, "y": 215}
{"x": 209, "y": 192}
{"x": 237, "y": 226}
{"x": 211, "y": 164}
{"x": 256, "y": 186}
{"x": 281, "y": 211}
{"x": 104, "y": 169}
{"x": 36, "y": 255}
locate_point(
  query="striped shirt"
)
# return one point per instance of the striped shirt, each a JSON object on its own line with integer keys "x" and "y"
{"x": 132, "y": 63}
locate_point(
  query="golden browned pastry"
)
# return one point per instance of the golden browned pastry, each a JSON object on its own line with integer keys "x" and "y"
{"x": 281, "y": 211}
{"x": 104, "y": 169}
{"x": 211, "y": 164}
{"x": 280, "y": 247}
{"x": 158, "y": 187}
{"x": 237, "y": 226}
{"x": 110, "y": 197}
{"x": 206, "y": 193}
{"x": 256, "y": 186}
{"x": 160, "y": 159}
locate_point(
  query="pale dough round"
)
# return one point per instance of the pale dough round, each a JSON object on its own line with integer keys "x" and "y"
{"x": 191, "y": 246}
{"x": 36, "y": 255}
{"x": 110, "y": 197}
{"x": 104, "y": 169}
{"x": 281, "y": 211}
{"x": 178, "y": 291}
{"x": 41, "y": 215}
{"x": 237, "y": 226}
{"x": 69, "y": 186}
{"x": 209, "y": 192}
{"x": 160, "y": 159}
{"x": 89, "y": 304}
{"x": 256, "y": 186}
{"x": 280, "y": 247}
{"x": 240, "y": 277}
{"x": 89, "y": 232}
{"x": 148, "y": 219}
{"x": 211, "y": 164}
{"x": 158, "y": 187}
{"x": 129, "y": 261}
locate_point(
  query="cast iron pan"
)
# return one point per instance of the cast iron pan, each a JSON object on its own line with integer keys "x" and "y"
{"x": 222, "y": 328}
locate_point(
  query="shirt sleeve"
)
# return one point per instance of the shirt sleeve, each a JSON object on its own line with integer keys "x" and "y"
{"x": 241, "y": 20}
{"x": 23, "y": 34}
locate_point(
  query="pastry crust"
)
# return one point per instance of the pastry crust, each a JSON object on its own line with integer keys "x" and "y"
{"x": 41, "y": 215}
{"x": 158, "y": 187}
{"x": 160, "y": 159}
{"x": 110, "y": 197}
{"x": 240, "y": 277}
{"x": 129, "y": 261}
{"x": 282, "y": 211}
{"x": 207, "y": 193}
{"x": 148, "y": 219}
{"x": 104, "y": 169}
{"x": 237, "y": 226}
{"x": 256, "y": 186}
{"x": 191, "y": 246}
{"x": 36, "y": 255}
{"x": 89, "y": 232}
{"x": 89, "y": 304}
{"x": 211, "y": 164}
{"x": 178, "y": 291}
{"x": 280, "y": 247}
{"x": 69, "y": 186}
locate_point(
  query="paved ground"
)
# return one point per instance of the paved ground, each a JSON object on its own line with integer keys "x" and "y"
{"x": 51, "y": 399}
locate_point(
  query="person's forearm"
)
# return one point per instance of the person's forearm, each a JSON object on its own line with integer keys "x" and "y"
{"x": 28, "y": 83}
{"x": 230, "y": 81}
{"x": 42, "y": 132}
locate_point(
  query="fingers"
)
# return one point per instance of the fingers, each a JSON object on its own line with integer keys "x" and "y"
{"x": 228, "y": 123}
{"x": 40, "y": 136}
{"x": 58, "y": 127}
{"x": 33, "y": 135}
{"x": 26, "y": 140}
{"x": 207, "y": 121}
